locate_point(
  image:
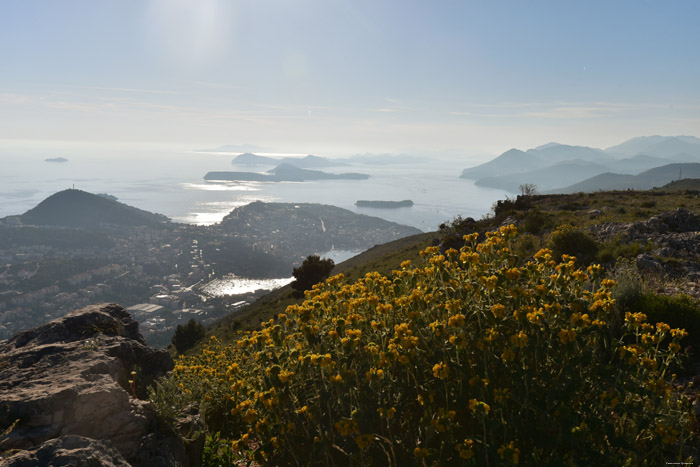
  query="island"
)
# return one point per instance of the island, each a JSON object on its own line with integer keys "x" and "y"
{"x": 283, "y": 173}
{"x": 407, "y": 203}
{"x": 56, "y": 159}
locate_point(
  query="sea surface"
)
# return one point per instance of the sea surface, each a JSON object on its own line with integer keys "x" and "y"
{"x": 170, "y": 181}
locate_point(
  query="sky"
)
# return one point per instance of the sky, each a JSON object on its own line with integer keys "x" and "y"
{"x": 348, "y": 76}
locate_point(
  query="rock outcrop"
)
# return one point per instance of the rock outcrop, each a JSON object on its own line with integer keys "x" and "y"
{"x": 673, "y": 240}
{"x": 67, "y": 382}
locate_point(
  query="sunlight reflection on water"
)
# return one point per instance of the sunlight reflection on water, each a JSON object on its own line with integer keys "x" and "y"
{"x": 223, "y": 186}
{"x": 235, "y": 285}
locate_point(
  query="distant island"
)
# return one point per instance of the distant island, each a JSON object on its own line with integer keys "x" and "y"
{"x": 307, "y": 162}
{"x": 56, "y": 159}
{"x": 283, "y": 173}
{"x": 407, "y": 203}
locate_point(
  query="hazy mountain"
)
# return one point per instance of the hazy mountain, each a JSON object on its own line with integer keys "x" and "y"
{"x": 283, "y": 173}
{"x": 253, "y": 159}
{"x": 56, "y": 159}
{"x": 636, "y": 164}
{"x": 546, "y": 165}
{"x": 655, "y": 177}
{"x": 546, "y": 178}
{"x": 510, "y": 162}
{"x": 236, "y": 148}
{"x": 76, "y": 208}
{"x": 554, "y": 153}
{"x": 658, "y": 146}
{"x": 312, "y": 161}
{"x": 309, "y": 161}
{"x": 548, "y": 145}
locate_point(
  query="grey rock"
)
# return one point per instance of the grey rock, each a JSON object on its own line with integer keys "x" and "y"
{"x": 70, "y": 450}
{"x": 647, "y": 262}
{"x": 594, "y": 213}
{"x": 70, "y": 377}
{"x": 509, "y": 221}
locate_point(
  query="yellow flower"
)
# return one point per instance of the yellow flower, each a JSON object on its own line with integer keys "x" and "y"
{"x": 519, "y": 339}
{"x": 337, "y": 379}
{"x": 440, "y": 370}
{"x": 479, "y": 406}
{"x": 364, "y": 441}
{"x": 456, "y": 320}
{"x": 498, "y": 310}
{"x": 536, "y": 316}
{"x": 509, "y": 452}
{"x": 567, "y": 335}
{"x": 421, "y": 452}
{"x": 508, "y": 355}
{"x": 284, "y": 375}
{"x": 466, "y": 449}
{"x": 501, "y": 394}
{"x": 489, "y": 282}
{"x": 512, "y": 273}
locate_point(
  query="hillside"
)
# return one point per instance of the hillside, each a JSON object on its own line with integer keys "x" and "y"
{"x": 687, "y": 184}
{"x": 383, "y": 258}
{"x": 539, "y": 216}
{"x": 293, "y": 231}
{"x": 472, "y": 338}
{"x": 647, "y": 180}
{"x": 80, "y": 209}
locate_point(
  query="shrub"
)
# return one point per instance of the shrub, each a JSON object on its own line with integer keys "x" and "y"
{"x": 535, "y": 221}
{"x": 186, "y": 336}
{"x": 452, "y": 233}
{"x": 572, "y": 241}
{"x": 680, "y": 310}
{"x": 463, "y": 359}
{"x": 312, "y": 271}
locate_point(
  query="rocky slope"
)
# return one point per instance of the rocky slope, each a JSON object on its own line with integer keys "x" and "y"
{"x": 674, "y": 237}
{"x": 67, "y": 384}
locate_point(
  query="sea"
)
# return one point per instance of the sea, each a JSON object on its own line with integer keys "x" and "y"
{"x": 169, "y": 180}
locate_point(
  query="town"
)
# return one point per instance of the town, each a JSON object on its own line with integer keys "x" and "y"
{"x": 158, "y": 273}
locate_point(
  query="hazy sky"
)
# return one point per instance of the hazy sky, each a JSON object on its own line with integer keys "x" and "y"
{"x": 349, "y": 75}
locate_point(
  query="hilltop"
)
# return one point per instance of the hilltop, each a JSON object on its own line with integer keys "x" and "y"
{"x": 80, "y": 209}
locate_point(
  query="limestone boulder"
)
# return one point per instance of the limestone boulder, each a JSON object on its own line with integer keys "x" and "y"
{"x": 70, "y": 377}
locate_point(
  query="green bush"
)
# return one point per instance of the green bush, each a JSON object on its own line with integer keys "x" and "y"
{"x": 312, "y": 271}
{"x": 610, "y": 252}
{"x": 465, "y": 359}
{"x": 572, "y": 241}
{"x": 535, "y": 222}
{"x": 186, "y": 336}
